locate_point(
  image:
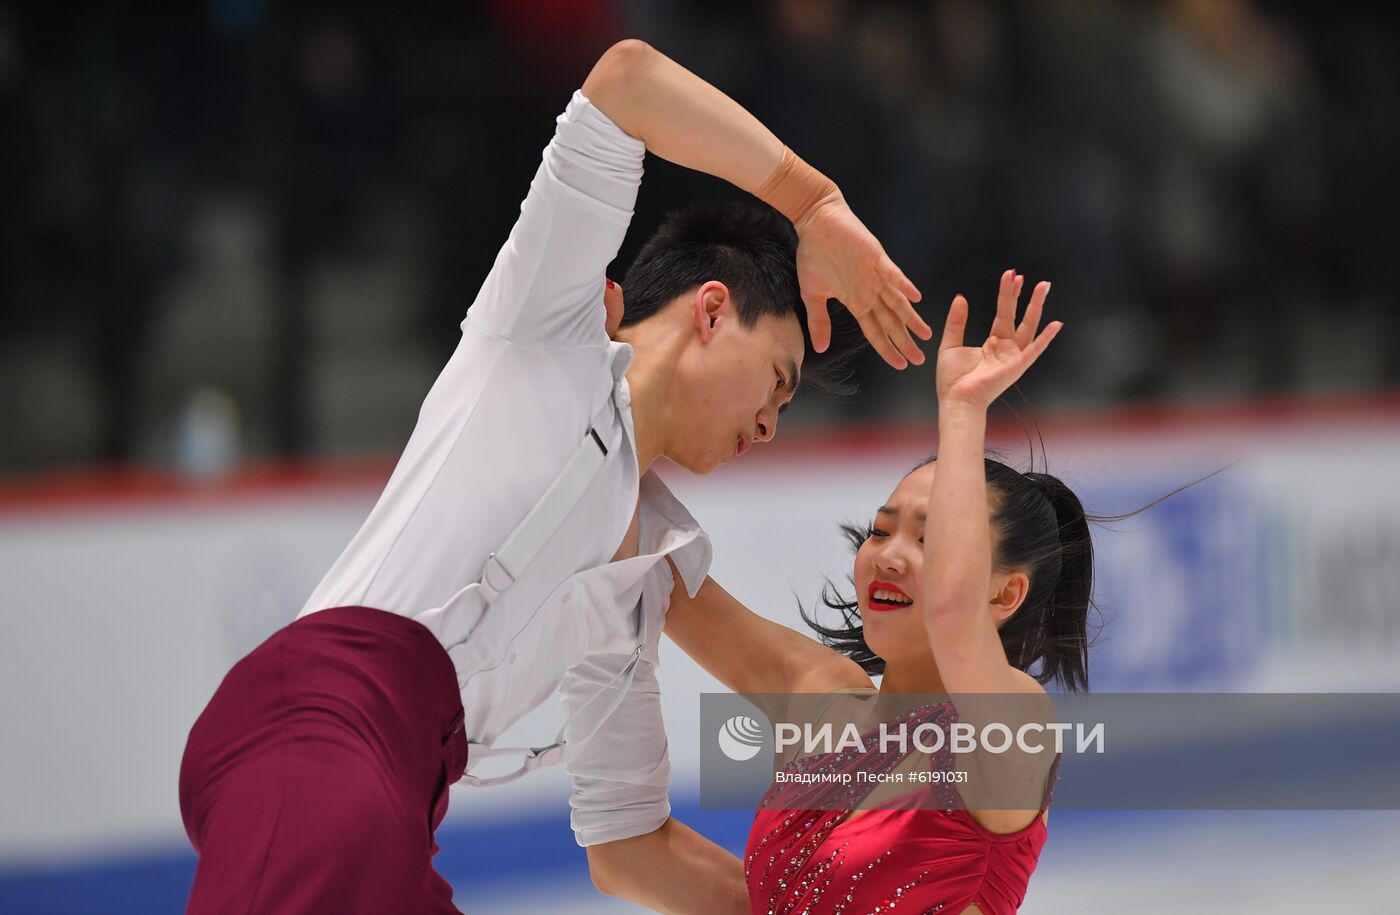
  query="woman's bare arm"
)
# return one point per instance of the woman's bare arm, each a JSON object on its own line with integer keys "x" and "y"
{"x": 958, "y": 562}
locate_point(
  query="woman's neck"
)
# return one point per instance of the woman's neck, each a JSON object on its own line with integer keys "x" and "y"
{"x": 912, "y": 678}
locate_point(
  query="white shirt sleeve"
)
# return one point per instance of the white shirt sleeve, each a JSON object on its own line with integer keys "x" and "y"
{"x": 622, "y": 774}
{"x": 546, "y": 286}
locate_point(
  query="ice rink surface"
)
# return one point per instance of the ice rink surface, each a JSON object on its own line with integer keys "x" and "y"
{"x": 1294, "y": 863}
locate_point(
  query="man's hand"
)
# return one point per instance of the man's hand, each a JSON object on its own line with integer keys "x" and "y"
{"x": 685, "y": 120}
{"x": 674, "y": 870}
{"x": 838, "y": 258}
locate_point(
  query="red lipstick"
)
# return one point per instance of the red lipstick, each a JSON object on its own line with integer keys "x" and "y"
{"x": 886, "y": 605}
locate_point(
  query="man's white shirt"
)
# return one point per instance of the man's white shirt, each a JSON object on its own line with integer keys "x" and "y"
{"x": 533, "y": 368}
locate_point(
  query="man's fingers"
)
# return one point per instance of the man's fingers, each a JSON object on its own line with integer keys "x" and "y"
{"x": 818, "y": 321}
{"x": 895, "y": 316}
{"x": 955, "y": 325}
{"x": 1004, "y": 325}
{"x": 1030, "y": 323}
{"x": 911, "y": 292}
{"x": 881, "y": 341}
{"x": 897, "y": 293}
{"x": 898, "y": 280}
{"x": 896, "y": 299}
{"x": 898, "y": 285}
{"x": 899, "y": 334}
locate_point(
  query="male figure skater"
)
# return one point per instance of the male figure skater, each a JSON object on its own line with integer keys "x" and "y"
{"x": 522, "y": 543}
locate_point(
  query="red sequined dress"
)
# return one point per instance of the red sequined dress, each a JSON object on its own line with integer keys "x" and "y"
{"x": 917, "y": 853}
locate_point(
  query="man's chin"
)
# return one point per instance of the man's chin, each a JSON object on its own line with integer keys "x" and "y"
{"x": 699, "y": 465}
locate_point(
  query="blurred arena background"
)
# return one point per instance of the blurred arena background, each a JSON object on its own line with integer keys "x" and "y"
{"x": 237, "y": 237}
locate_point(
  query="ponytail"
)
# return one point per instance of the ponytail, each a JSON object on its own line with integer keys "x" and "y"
{"x": 1062, "y": 648}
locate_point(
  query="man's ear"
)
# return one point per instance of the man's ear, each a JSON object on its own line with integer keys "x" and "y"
{"x": 708, "y": 308}
{"x": 1010, "y": 593}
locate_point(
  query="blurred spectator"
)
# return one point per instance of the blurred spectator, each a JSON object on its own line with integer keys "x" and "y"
{"x": 293, "y": 205}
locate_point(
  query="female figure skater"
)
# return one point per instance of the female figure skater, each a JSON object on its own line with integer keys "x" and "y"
{"x": 970, "y": 574}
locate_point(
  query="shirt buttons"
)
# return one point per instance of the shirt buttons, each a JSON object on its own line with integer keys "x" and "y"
{"x": 566, "y": 598}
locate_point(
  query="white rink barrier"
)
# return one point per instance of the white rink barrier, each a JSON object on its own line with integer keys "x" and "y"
{"x": 122, "y": 612}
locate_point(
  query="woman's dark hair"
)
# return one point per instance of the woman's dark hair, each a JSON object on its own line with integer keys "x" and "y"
{"x": 750, "y": 248}
{"x": 1041, "y": 528}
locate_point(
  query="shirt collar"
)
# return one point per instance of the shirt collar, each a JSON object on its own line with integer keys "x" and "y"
{"x": 671, "y": 529}
{"x": 621, "y": 356}
{"x": 667, "y": 527}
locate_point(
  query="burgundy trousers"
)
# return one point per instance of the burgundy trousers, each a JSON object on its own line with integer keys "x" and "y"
{"x": 315, "y": 778}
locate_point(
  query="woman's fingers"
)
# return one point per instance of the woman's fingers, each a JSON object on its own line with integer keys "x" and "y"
{"x": 1032, "y": 352}
{"x": 1030, "y": 322}
{"x": 956, "y": 324}
{"x": 1004, "y": 325}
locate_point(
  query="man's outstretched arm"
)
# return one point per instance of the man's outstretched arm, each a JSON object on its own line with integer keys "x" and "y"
{"x": 685, "y": 120}
{"x": 620, "y": 810}
{"x": 673, "y": 869}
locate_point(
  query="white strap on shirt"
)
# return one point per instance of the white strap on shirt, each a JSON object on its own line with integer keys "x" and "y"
{"x": 514, "y": 556}
{"x": 540, "y": 523}
{"x": 536, "y": 757}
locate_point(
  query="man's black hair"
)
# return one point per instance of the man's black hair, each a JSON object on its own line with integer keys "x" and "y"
{"x": 751, "y": 249}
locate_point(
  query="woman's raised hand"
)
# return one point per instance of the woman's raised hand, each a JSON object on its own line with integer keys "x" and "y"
{"x": 978, "y": 375}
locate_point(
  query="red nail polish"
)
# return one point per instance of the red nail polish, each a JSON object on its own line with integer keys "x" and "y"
{"x": 611, "y": 284}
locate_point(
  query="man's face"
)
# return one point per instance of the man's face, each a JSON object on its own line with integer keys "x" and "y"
{"x": 733, "y": 382}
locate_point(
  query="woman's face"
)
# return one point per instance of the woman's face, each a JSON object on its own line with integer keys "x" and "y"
{"x": 889, "y": 572}
{"x": 890, "y": 576}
